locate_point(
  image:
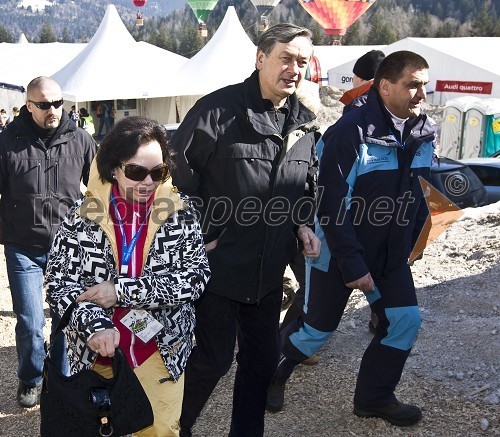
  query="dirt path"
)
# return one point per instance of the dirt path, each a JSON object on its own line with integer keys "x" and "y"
{"x": 453, "y": 373}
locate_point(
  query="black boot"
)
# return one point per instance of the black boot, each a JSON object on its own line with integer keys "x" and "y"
{"x": 396, "y": 412}
{"x": 276, "y": 391}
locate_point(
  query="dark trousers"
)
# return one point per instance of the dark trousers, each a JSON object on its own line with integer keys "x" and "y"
{"x": 219, "y": 323}
{"x": 394, "y": 301}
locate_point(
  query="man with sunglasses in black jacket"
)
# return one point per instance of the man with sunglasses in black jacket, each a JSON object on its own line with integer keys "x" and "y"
{"x": 44, "y": 157}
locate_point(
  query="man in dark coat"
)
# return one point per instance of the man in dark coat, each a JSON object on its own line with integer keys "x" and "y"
{"x": 44, "y": 157}
{"x": 247, "y": 156}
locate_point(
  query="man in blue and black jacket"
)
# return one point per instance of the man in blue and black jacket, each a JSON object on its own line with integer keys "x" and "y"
{"x": 371, "y": 213}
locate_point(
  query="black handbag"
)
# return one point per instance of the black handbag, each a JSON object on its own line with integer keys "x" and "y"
{"x": 86, "y": 404}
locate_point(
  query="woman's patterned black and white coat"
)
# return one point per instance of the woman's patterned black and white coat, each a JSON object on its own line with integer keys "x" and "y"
{"x": 175, "y": 272}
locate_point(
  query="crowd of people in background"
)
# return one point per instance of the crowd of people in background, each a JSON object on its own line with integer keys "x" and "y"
{"x": 192, "y": 235}
{"x": 6, "y": 119}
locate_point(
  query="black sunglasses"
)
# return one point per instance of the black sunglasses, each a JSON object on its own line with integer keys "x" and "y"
{"x": 138, "y": 173}
{"x": 46, "y": 105}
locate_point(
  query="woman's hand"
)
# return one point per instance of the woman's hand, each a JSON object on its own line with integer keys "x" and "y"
{"x": 102, "y": 294}
{"x": 105, "y": 342}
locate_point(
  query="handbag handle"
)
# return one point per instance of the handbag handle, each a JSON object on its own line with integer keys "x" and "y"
{"x": 63, "y": 322}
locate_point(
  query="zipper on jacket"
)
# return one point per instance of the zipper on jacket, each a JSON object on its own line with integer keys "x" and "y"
{"x": 56, "y": 176}
{"x": 39, "y": 177}
{"x": 280, "y": 158}
{"x": 47, "y": 169}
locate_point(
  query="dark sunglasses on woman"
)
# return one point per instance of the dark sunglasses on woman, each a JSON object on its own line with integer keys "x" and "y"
{"x": 138, "y": 173}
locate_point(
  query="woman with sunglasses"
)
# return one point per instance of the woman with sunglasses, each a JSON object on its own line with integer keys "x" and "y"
{"x": 131, "y": 255}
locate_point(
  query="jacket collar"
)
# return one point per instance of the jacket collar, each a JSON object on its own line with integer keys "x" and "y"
{"x": 22, "y": 126}
{"x": 381, "y": 129}
{"x": 256, "y": 111}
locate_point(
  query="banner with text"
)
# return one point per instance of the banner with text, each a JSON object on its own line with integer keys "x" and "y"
{"x": 455, "y": 86}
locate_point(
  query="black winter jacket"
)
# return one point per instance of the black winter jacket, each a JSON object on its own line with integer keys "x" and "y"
{"x": 38, "y": 183}
{"x": 229, "y": 158}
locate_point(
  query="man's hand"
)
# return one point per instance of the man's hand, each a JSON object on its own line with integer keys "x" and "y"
{"x": 211, "y": 246}
{"x": 102, "y": 294}
{"x": 311, "y": 243}
{"x": 365, "y": 283}
{"x": 105, "y": 342}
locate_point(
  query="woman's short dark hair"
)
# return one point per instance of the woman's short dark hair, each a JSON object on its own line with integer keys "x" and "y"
{"x": 283, "y": 33}
{"x": 123, "y": 141}
{"x": 392, "y": 66}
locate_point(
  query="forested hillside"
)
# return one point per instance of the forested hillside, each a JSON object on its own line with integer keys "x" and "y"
{"x": 171, "y": 24}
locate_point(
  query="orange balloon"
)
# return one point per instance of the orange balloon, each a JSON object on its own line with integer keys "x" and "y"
{"x": 335, "y": 16}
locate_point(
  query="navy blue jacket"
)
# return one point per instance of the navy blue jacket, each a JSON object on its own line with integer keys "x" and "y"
{"x": 372, "y": 200}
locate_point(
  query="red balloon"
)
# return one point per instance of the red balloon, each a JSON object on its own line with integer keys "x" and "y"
{"x": 139, "y": 3}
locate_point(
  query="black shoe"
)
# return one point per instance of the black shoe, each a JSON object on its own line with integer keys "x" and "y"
{"x": 276, "y": 391}
{"x": 275, "y": 397}
{"x": 397, "y": 413}
{"x": 27, "y": 396}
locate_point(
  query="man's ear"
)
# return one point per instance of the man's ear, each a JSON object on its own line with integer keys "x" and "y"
{"x": 384, "y": 87}
{"x": 259, "y": 59}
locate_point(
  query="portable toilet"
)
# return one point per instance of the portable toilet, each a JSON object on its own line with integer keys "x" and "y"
{"x": 451, "y": 134}
{"x": 481, "y": 129}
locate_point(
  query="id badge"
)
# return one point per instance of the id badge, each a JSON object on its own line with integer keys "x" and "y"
{"x": 142, "y": 324}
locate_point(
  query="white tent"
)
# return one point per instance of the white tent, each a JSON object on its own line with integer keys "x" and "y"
{"x": 114, "y": 66}
{"x": 22, "y": 39}
{"x": 228, "y": 58}
{"x": 458, "y": 66}
{"x": 27, "y": 61}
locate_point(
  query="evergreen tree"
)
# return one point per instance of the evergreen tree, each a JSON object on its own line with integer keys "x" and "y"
{"x": 5, "y": 35}
{"x": 65, "y": 35}
{"x": 190, "y": 42}
{"x": 446, "y": 30}
{"x": 165, "y": 40}
{"x": 485, "y": 21}
{"x": 421, "y": 26}
{"x": 380, "y": 31}
{"x": 353, "y": 36}
{"x": 47, "y": 34}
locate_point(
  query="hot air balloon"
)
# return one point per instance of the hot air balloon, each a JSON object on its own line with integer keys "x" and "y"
{"x": 202, "y": 9}
{"x": 335, "y": 16}
{"x": 139, "y": 21}
{"x": 264, "y": 7}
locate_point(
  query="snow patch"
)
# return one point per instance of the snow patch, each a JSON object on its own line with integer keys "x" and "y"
{"x": 36, "y": 5}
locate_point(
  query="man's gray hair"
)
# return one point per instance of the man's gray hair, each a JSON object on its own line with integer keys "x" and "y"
{"x": 281, "y": 33}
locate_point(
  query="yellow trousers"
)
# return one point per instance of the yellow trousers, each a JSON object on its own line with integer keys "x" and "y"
{"x": 165, "y": 397}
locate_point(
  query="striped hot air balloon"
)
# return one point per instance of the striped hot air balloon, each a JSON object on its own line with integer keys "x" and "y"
{"x": 335, "y": 16}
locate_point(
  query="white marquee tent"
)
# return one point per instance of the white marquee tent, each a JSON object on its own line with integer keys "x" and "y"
{"x": 114, "y": 66}
{"x": 23, "y": 61}
{"x": 228, "y": 58}
{"x": 458, "y": 66}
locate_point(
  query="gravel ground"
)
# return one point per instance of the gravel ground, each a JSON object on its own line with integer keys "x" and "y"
{"x": 452, "y": 372}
